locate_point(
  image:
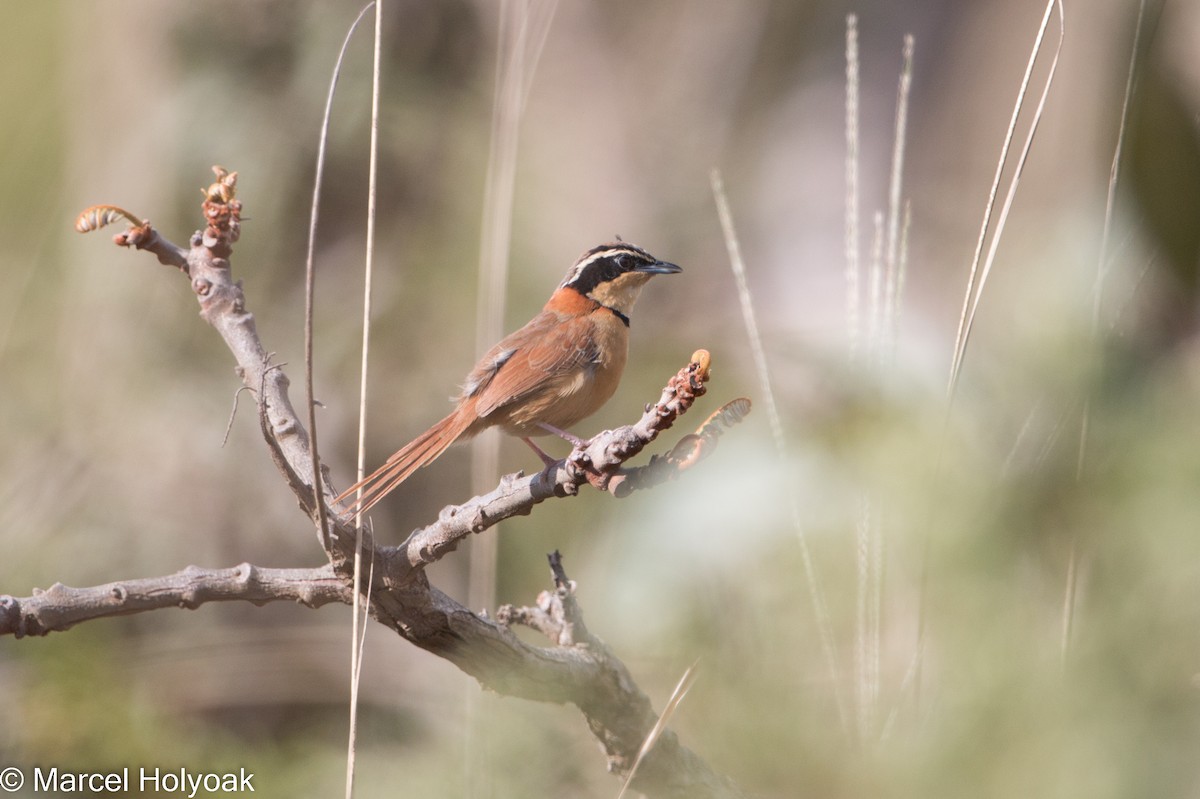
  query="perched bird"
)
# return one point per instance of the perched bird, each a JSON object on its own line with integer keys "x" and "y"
{"x": 561, "y": 367}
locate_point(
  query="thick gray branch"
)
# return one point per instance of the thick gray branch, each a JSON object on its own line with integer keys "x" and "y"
{"x": 586, "y": 674}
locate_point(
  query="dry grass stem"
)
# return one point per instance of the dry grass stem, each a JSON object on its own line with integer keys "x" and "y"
{"x": 980, "y": 269}
{"x": 875, "y": 289}
{"x": 816, "y": 593}
{"x": 866, "y": 649}
{"x": 895, "y": 189}
{"x": 853, "y": 289}
{"x": 664, "y": 718}
{"x": 358, "y": 626}
{"x": 524, "y": 26}
{"x": 1097, "y": 299}
{"x": 887, "y": 263}
{"x": 897, "y": 304}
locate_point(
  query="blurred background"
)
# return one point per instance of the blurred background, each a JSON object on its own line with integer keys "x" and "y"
{"x": 996, "y": 598}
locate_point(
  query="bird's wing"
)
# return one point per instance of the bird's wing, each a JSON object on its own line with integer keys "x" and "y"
{"x": 520, "y": 364}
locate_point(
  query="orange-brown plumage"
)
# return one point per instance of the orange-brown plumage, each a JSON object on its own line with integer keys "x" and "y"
{"x": 558, "y": 369}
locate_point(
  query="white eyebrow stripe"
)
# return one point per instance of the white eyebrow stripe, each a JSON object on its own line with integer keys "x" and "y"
{"x": 618, "y": 249}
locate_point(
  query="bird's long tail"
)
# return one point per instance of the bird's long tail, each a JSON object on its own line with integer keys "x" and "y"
{"x": 421, "y": 451}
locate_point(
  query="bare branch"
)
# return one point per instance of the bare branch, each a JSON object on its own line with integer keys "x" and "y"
{"x": 617, "y": 711}
{"x": 144, "y": 237}
{"x": 223, "y": 305}
{"x": 580, "y": 669}
{"x": 597, "y": 462}
{"x": 61, "y": 607}
{"x": 556, "y": 615}
{"x": 690, "y": 450}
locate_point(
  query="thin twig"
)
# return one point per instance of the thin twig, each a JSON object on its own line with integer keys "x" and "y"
{"x": 232, "y": 415}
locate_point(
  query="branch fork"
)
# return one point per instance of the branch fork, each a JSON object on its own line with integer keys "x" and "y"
{"x": 556, "y": 614}
{"x": 578, "y": 668}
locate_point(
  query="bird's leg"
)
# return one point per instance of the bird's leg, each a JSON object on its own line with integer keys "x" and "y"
{"x": 563, "y": 434}
{"x": 579, "y": 458}
{"x": 541, "y": 453}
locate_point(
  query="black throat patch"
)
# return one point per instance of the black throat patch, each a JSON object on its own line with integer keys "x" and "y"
{"x": 617, "y": 314}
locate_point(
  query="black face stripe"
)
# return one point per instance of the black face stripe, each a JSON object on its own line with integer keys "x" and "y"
{"x": 604, "y": 263}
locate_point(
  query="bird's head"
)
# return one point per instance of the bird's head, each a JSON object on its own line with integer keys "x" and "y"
{"x": 613, "y": 275}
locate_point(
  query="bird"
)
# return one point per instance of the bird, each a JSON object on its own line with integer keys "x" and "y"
{"x": 557, "y": 370}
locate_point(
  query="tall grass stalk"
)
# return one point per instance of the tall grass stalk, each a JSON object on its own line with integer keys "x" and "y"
{"x": 359, "y": 614}
{"x": 891, "y": 297}
{"x": 1070, "y": 589}
{"x": 980, "y": 269}
{"x": 981, "y": 266}
{"x": 897, "y": 304}
{"x": 358, "y": 624}
{"x": 888, "y": 257}
{"x": 816, "y": 593}
{"x": 523, "y": 28}
{"x": 867, "y": 543}
{"x": 853, "y": 268}
{"x": 664, "y": 718}
{"x": 866, "y": 649}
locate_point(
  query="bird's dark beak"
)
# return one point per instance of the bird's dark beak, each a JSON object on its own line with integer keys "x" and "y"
{"x": 658, "y": 268}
